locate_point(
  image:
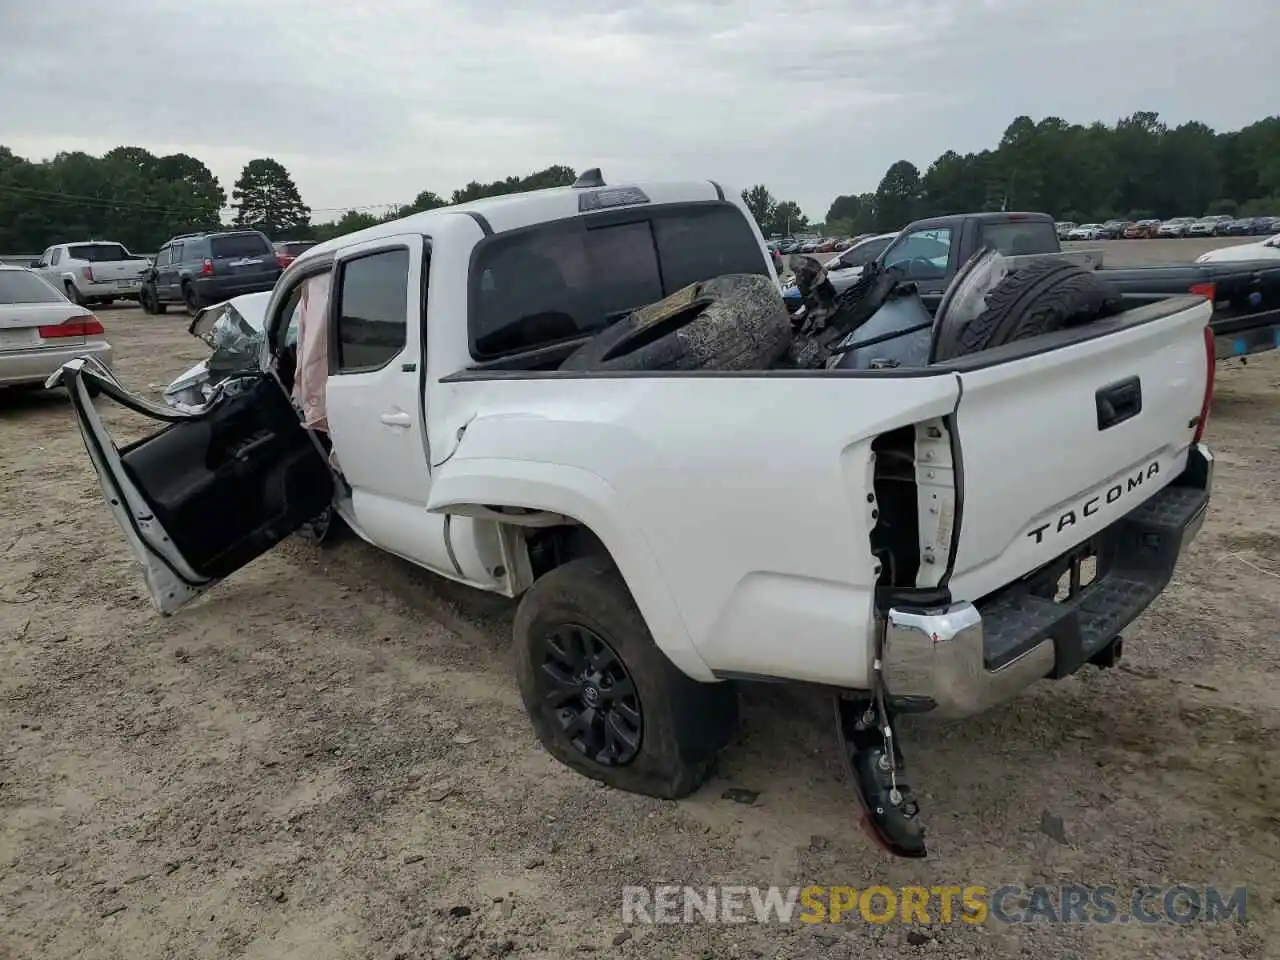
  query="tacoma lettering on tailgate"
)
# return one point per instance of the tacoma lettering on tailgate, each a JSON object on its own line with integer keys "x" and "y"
{"x": 1093, "y": 504}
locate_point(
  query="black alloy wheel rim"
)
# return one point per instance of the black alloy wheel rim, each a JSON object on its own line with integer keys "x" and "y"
{"x": 587, "y": 688}
{"x": 317, "y": 528}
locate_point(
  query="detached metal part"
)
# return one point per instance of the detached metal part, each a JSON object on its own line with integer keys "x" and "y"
{"x": 829, "y": 317}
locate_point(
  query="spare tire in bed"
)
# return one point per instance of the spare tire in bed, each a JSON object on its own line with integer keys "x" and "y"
{"x": 733, "y": 322}
{"x": 1044, "y": 296}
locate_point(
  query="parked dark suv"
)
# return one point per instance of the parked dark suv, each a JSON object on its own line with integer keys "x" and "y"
{"x": 199, "y": 269}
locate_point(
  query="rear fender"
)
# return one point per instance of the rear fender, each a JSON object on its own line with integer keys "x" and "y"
{"x": 472, "y": 486}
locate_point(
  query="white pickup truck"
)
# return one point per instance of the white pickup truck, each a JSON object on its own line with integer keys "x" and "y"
{"x": 96, "y": 271}
{"x": 925, "y": 540}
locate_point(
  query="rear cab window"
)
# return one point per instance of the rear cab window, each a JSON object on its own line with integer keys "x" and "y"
{"x": 571, "y": 278}
{"x": 98, "y": 252}
{"x": 1019, "y": 238}
{"x": 234, "y": 245}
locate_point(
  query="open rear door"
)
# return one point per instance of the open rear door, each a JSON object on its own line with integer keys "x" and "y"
{"x": 209, "y": 491}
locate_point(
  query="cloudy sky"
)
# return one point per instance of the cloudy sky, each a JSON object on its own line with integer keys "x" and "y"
{"x": 368, "y": 103}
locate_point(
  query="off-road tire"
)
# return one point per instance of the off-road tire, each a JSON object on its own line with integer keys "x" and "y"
{"x": 73, "y": 294}
{"x": 1044, "y": 296}
{"x": 685, "y": 723}
{"x": 150, "y": 301}
{"x": 734, "y": 322}
{"x": 325, "y": 529}
{"x": 191, "y": 299}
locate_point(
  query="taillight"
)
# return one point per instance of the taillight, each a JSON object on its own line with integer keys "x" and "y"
{"x": 88, "y": 273}
{"x": 1206, "y": 290}
{"x": 206, "y": 268}
{"x": 283, "y": 260}
{"x": 86, "y": 325}
{"x": 1210, "y": 359}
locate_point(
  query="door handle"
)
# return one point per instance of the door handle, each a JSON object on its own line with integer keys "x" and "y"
{"x": 396, "y": 419}
{"x": 1118, "y": 402}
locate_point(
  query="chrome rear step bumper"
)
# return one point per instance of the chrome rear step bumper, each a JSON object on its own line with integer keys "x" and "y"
{"x": 963, "y": 659}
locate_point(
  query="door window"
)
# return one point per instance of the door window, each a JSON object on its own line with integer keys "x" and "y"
{"x": 56, "y": 258}
{"x": 864, "y": 253}
{"x": 922, "y": 254}
{"x": 371, "y": 322}
{"x": 162, "y": 258}
{"x": 175, "y": 253}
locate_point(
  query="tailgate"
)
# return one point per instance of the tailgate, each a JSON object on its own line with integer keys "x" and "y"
{"x": 113, "y": 270}
{"x": 1057, "y": 445}
{"x": 242, "y": 255}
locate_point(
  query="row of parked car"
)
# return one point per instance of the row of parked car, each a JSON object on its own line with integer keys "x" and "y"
{"x": 191, "y": 270}
{"x": 1215, "y": 226}
{"x": 814, "y": 244}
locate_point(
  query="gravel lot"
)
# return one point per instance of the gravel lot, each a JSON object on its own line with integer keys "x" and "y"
{"x": 327, "y": 757}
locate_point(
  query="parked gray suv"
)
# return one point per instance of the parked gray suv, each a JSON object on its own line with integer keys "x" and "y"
{"x": 199, "y": 269}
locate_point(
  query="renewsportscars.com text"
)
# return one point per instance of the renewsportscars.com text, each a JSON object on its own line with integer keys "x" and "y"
{"x": 1009, "y": 903}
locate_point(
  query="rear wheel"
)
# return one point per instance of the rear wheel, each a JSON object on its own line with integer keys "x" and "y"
{"x": 150, "y": 302}
{"x": 191, "y": 299}
{"x": 603, "y": 699}
{"x": 73, "y": 294}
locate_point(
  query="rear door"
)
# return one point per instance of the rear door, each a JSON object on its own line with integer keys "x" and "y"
{"x": 169, "y": 283}
{"x": 375, "y": 400}
{"x": 1061, "y": 438}
{"x": 205, "y": 494}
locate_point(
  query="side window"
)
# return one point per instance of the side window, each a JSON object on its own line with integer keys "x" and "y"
{"x": 56, "y": 256}
{"x": 863, "y": 253}
{"x": 922, "y": 254}
{"x": 370, "y": 326}
{"x": 162, "y": 258}
{"x": 175, "y": 253}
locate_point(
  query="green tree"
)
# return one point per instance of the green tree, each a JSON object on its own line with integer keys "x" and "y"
{"x": 760, "y": 202}
{"x": 898, "y": 196}
{"x": 1138, "y": 165}
{"x": 349, "y": 222}
{"x": 787, "y": 219}
{"x": 266, "y": 198}
{"x": 553, "y": 176}
{"x": 856, "y": 213}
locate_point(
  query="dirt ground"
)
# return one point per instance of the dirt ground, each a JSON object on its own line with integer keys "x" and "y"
{"x": 327, "y": 756}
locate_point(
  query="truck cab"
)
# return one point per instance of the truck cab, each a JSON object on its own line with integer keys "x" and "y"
{"x": 931, "y": 252}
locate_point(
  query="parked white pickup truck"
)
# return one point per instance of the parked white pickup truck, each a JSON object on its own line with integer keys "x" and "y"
{"x": 96, "y": 271}
{"x": 926, "y": 539}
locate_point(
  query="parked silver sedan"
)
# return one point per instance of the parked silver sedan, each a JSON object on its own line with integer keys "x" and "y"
{"x": 40, "y": 329}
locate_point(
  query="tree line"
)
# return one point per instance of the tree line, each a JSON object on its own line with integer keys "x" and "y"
{"x": 1140, "y": 168}
{"x": 1136, "y": 169}
{"x": 134, "y": 197}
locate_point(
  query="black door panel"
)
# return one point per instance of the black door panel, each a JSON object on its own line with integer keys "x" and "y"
{"x": 229, "y": 485}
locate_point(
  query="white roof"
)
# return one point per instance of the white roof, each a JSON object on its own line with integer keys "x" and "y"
{"x": 515, "y": 210}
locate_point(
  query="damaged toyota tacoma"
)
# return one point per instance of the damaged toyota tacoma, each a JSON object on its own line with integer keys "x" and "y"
{"x": 527, "y": 394}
